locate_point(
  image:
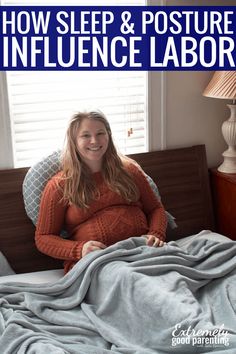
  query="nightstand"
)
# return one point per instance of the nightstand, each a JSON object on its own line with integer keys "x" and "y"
{"x": 224, "y": 202}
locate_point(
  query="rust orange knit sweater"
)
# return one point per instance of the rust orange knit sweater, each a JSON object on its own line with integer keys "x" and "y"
{"x": 108, "y": 219}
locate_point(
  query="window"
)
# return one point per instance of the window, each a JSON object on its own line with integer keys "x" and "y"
{"x": 40, "y": 103}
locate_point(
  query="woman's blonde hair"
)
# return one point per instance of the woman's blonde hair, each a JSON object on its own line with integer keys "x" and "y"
{"x": 79, "y": 187}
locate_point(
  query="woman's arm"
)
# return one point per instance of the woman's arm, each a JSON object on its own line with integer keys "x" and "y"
{"x": 153, "y": 208}
{"x": 50, "y": 223}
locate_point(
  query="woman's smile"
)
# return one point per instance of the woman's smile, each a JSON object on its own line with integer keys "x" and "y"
{"x": 94, "y": 148}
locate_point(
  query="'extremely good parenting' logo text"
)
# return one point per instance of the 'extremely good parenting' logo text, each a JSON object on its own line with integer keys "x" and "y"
{"x": 200, "y": 338}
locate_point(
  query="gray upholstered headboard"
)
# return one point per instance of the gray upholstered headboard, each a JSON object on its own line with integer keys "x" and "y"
{"x": 182, "y": 178}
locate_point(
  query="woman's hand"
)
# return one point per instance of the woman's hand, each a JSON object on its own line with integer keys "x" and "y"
{"x": 91, "y": 246}
{"x": 154, "y": 241}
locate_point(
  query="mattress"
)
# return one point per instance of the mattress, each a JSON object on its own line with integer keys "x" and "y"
{"x": 46, "y": 276}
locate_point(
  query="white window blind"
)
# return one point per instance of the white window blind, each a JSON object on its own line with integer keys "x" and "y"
{"x": 42, "y": 102}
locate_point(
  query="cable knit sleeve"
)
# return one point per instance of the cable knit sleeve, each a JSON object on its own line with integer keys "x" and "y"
{"x": 153, "y": 208}
{"x": 50, "y": 223}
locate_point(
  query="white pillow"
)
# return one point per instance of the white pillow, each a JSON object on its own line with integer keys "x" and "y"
{"x": 36, "y": 180}
{"x": 170, "y": 218}
{"x": 5, "y": 268}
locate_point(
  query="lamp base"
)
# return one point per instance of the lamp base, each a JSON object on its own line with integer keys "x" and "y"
{"x": 229, "y": 164}
{"x": 229, "y": 133}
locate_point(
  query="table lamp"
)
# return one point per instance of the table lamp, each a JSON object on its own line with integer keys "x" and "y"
{"x": 223, "y": 85}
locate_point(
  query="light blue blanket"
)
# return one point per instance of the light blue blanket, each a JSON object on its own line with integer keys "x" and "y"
{"x": 130, "y": 299}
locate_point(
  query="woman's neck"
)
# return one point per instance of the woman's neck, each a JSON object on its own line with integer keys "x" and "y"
{"x": 94, "y": 168}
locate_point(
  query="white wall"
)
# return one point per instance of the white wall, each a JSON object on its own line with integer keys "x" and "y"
{"x": 190, "y": 118}
{"x": 6, "y": 160}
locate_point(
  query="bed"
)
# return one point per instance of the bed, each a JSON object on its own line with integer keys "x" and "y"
{"x": 178, "y": 290}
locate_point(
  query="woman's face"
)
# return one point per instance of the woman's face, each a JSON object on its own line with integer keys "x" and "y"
{"x": 92, "y": 143}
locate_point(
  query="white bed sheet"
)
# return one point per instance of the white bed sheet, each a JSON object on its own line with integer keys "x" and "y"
{"x": 46, "y": 276}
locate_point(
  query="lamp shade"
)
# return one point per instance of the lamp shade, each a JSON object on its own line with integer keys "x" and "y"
{"x": 222, "y": 85}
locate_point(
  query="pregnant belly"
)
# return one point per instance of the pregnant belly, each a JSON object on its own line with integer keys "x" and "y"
{"x": 112, "y": 225}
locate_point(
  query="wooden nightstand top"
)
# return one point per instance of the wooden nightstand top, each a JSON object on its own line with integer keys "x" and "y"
{"x": 231, "y": 177}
